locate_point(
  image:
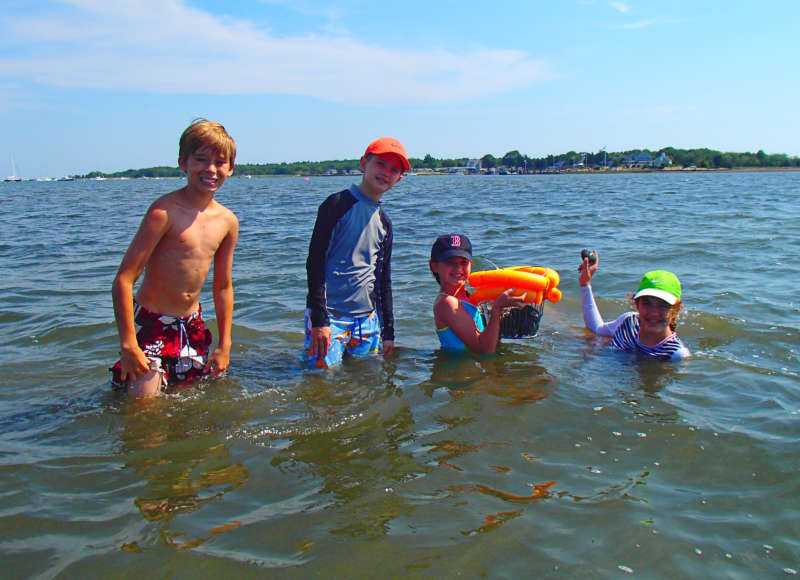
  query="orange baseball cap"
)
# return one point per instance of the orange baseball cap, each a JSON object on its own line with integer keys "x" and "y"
{"x": 388, "y": 145}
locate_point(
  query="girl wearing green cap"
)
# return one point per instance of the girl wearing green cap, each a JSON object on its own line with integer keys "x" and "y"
{"x": 650, "y": 330}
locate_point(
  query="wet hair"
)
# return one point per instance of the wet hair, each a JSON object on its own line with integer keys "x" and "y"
{"x": 674, "y": 311}
{"x": 204, "y": 133}
{"x": 435, "y": 275}
{"x": 672, "y": 315}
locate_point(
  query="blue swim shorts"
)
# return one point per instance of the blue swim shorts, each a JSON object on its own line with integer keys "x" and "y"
{"x": 360, "y": 336}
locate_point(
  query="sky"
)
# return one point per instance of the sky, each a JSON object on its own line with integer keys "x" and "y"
{"x": 99, "y": 85}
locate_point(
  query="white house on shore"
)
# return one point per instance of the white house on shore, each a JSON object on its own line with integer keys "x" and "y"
{"x": 662, "y": 160}
{"x": 474, "y": 166}
{"x": 637, "y": 159}
{"x": 644, "y": 159}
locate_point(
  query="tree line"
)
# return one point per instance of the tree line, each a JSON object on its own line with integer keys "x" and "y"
{"x": 701, "y": 158}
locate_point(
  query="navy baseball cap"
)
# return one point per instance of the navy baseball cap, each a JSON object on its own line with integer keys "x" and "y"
{"x": 451, "y": 246}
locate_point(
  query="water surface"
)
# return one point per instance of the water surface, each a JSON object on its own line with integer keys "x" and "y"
{"x": 553, "y": 458}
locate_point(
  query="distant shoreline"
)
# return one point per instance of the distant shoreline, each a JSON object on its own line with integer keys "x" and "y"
{"x": 437, "y": 173}
{"x": 606, "y": 171}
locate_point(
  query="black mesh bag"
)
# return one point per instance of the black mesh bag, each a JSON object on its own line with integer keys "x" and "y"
{"x": 519, "y": 322}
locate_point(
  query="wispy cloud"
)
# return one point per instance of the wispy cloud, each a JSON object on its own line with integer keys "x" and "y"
{"x": 639, "y": 24}
{"x": 329, "y": 15}
{"x": 623, "y": 7}
{"x": 167, "y": 46}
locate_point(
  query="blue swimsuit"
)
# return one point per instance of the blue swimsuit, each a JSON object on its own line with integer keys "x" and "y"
{"x": 448, "y": 338}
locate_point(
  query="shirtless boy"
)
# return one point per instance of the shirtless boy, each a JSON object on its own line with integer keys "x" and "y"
{"x": 163, "y": 340}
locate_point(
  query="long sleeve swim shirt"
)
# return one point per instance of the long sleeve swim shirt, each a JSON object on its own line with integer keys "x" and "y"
{"x": 349, "y": 260}
{"x": 624, "y": 332}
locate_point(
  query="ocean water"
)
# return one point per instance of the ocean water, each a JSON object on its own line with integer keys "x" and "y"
{"x": 553, "y": 458}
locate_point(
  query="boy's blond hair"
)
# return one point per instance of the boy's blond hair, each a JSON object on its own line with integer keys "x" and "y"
{"x": 204, "y": 133}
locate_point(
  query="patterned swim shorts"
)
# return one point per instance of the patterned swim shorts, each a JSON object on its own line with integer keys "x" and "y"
{"x": 358, "y": 336}
{"x": 176, "y": 347}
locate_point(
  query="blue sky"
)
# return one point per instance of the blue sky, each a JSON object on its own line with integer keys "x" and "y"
{"x": 110, "y": 85}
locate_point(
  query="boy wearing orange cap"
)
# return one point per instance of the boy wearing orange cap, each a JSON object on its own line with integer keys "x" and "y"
{"x": 349, "y": 301}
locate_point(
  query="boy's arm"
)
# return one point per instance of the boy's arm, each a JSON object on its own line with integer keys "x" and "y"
{"x": 328, "y": 214}
{"x": 223, "y": 300}
{"x": 153, "y": 227}
{"x": 315, "y": 263}
{"x": 315, "y": 275}
{"x": 385, "y": 289}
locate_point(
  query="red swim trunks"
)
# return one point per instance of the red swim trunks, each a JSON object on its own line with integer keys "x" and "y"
{"x": 178, "y": 347}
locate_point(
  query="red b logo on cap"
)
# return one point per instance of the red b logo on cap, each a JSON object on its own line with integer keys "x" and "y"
{"x": 455, "y": 241}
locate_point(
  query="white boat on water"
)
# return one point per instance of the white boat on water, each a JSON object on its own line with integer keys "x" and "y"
{"x": 13, "y": 176}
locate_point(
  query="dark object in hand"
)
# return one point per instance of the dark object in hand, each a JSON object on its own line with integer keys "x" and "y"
{"x": 590, "y": 254}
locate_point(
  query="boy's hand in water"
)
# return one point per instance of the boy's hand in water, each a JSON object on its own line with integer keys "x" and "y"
{"x": 218, "y": 362}
{"x": 320, "y": 341}
{"x": 133, "y": 364}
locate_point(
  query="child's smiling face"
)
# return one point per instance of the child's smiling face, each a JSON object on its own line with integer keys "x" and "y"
{"x": 654, "y": 315}
{"x": 206, "y": 169}
{"x": 453, "y": 272}
{"x": 381, "y": 172}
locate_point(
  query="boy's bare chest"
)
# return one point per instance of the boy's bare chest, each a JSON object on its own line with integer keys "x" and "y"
{"x": 199, "y": 236}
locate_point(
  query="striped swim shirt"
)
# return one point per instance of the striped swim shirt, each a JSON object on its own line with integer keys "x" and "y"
{"x": 626, "y": 339}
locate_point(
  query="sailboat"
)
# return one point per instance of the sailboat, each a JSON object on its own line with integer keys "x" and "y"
{"x": 13, "y": 176}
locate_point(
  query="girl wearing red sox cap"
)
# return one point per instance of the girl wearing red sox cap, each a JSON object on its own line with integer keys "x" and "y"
{"x": 459, "y": 324}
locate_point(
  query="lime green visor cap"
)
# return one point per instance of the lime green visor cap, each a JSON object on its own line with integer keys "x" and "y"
{"x": 661, "y": 284}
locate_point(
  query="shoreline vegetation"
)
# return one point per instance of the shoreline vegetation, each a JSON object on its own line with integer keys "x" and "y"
{"x": 512, "y": 163}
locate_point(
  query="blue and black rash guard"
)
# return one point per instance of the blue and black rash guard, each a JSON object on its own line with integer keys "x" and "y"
{"x": 349, "y": 260}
